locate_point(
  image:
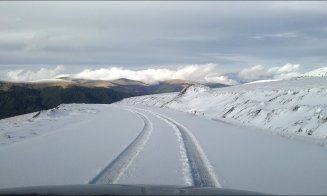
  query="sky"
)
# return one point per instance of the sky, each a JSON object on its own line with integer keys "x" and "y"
{"x": 152, "y": 40}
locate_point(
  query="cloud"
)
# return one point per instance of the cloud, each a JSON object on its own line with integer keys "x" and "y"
{"x": 276, "y": 35}
{"x": 43, "y": 73}
{"x": 284, "y": 70}
{"x": 259, "y": 72}
{"x": 252, "y": 73}
{"x": 199, "y": 73}
{"x": 104, "y": 32}
{"x": 195, "y": 72}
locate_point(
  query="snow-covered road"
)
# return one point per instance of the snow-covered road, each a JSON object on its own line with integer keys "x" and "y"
{"x": 198, "y": 164}
{"x": 117, "y": 167}
{"x": 148, "y": 145}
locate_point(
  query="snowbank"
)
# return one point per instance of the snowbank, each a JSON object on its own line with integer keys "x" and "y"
{"x": 21, "y": 127}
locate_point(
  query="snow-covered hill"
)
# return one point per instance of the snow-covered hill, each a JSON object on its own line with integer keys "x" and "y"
{"x": 321, "y": 72}
{"x": 296, "y": 106}
{"x": 151, "y": 100}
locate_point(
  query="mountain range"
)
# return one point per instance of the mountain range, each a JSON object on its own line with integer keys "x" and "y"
{"x": 24, "y": 97}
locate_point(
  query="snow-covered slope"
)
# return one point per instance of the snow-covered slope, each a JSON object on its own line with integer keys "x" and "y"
{"x": 321, "y": 72}
{"x": 151, "y": 100}
{"x": 297, "y": 106}
{"x": 18, "y": 128}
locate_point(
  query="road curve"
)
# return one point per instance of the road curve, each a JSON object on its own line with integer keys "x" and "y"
{"x": 113, "y": 171}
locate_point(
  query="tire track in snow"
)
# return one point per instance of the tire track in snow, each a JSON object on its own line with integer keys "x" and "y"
{"x": 200, "y": 168}
{"x": 200, "y": 171}
{"x": 114, "y": 170}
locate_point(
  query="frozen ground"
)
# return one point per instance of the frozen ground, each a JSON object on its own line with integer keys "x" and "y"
{"x": 117, "y": 143}
{"x": 295, "y": 107}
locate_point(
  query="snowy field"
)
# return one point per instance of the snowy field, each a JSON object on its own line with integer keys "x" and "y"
{"x": 126, "y": 144}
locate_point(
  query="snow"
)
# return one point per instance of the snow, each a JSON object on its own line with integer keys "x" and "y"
{"x": 320, "y": 72}
{"x": 71, "y": 146}
{"x": 249, "y": 159}
{"x": 151, "y": 100}
{"x": 261, "y": 81}
{"x": 267, "y": 137}
{"x": 21, "y": 127}
{"x": 76, "y": 142}
{"x": 156, "y": 163}
{"x": 294, "y": 107}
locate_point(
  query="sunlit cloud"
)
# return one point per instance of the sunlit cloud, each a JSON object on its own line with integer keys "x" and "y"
{"x": 199, "y": 73}
{"x": 202, "y": 73}
{"x": 195, "y": 72}
{"x": 259, "y": 72}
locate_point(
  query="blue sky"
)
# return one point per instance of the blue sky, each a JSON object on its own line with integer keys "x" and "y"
{"x": 140, "y": 35}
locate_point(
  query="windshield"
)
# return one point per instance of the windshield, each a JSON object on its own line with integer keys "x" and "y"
{"x": 213, "y": 94}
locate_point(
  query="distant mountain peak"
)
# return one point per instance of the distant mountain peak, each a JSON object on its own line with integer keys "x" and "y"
{"x": 125, "y": 81}
{"x": 320, "y": 72}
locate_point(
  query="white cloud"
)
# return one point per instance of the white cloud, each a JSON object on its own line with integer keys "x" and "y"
{"x": 276, "y": 35}
{"x": 284, "y": 71}
{"x": 252, "y": 73}
{"x": 199, "y": 73}
{"x": 259, "y": 72}
{"x": 43, "y": 73}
